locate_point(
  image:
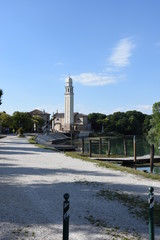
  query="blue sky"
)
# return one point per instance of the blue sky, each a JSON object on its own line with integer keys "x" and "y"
{"x": 110, "y": 48}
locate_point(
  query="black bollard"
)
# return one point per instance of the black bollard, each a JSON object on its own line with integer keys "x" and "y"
{"x": 66, "y": 217}
{"x": 151, "y": 217}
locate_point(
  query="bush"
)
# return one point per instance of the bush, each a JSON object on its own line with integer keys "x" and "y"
{"x": 20, "y": 131}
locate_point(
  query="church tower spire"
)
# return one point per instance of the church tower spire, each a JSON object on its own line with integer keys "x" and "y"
{"x": 69, "y": 105}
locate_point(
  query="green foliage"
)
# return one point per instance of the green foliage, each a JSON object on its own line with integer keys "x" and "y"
{"x": 129, "y": 123}
{"x": 136, "y": 205}
{"x": 22, "y": 119}
{"x": 39, "y": 121}
{"x": 1, "y": 93}
{"x": 154, "y": 133}
{"x": 5, "y": 121}
{"x": 96, "y": 120}
{"x": 32, "y": 140}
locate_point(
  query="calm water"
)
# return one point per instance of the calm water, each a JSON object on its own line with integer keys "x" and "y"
{"x": 117, "y": 146}
{"x": 156, "y": 169}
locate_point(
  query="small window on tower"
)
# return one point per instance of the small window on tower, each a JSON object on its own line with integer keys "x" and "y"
{"x": 68, "y": 89}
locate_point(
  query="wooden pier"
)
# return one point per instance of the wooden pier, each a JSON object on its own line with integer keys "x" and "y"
{"x": 128, "y": 160}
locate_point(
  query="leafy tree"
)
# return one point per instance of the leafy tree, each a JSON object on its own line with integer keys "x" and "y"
{"x": 5, "y": 120}
{"x": 146, "y": 124}
{"x": 22, "y": 119}
{"x": 39, "y": 121}
{"x": 129, "y": 123}
{"x": 154, "y": 132}
{"x": 136, "y": 120}
{"x": 96, "y": 120}
{"x": 1, "y": 93}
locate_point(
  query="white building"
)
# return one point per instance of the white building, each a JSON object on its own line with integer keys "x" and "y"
{"x": 69, "y": 105}
{"x": 70, "y": 121}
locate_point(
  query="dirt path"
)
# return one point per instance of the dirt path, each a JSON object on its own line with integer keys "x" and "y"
{"x": 33, "y": 182}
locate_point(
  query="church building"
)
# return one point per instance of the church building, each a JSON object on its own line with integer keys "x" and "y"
{"x": 70, "y": 120}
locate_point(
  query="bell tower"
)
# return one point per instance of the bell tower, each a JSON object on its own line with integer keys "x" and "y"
{"x": 69, "y": 105}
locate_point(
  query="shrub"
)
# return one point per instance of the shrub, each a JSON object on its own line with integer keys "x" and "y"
{"x": 20, "y": 131}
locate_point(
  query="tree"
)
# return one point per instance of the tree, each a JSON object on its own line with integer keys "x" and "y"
{"x": 1, "y": 93}
{"x": 96, "y": 120}
{"x": 38, "y": 121}
{"x": 154, "y": 132}
{"x": 6, "y": 121}
{"x": 22, "y": 119}
{"x": 129, "y": 123}
{"x": 146, "y": 124}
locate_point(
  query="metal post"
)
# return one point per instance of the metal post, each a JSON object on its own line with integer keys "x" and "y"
{"x": 100, "y": 146}
{"x": 90, "y": 148}
{"x": 109, "y": 147}
{"x": 125, "y": 147}
{"x": 151, "y": 217}
{"x": 66, "y": 217}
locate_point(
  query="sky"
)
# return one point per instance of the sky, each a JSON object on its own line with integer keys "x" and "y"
{"x": 110, "y": 48}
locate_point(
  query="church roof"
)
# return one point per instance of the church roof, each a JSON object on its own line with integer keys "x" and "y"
{"x": 38, "y": 112}
{"x": 80, "y": 114}
{"x": 61, "y": 115}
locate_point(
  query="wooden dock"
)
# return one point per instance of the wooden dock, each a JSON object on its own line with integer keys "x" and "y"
{"x": 128, "y": 160}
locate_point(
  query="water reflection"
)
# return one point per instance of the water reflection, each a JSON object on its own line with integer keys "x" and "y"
{"x": 156, "y": 169}
{"x": 117, "y": 145}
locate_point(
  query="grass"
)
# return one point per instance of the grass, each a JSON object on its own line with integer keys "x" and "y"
{"x": 115, "y": 232}
{"x": 33, "y": 141}
{"x": 136, "y": 205}
{"x": 114, "y": 166}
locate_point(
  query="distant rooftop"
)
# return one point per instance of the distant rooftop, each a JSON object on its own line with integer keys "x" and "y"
{"x": 38, "y": 112}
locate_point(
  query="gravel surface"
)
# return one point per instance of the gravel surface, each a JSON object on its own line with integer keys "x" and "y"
{"x": 34, "y": 180}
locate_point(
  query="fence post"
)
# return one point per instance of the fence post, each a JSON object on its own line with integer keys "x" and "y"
{"x": 152, "y": 158}
{"x": 82, "y": 145}
{"x": 100, "y": 146}
{"x": 125, "y": 147}
{"x": 90, "y": 148}
{"x": 66, "y": 217}
{"x": 151, "y": 217}
{"x": 134, "y": 147}
{"x": 109, "y": 147}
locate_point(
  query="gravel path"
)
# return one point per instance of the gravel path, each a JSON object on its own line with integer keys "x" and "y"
{"x": 34, "y": 180}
